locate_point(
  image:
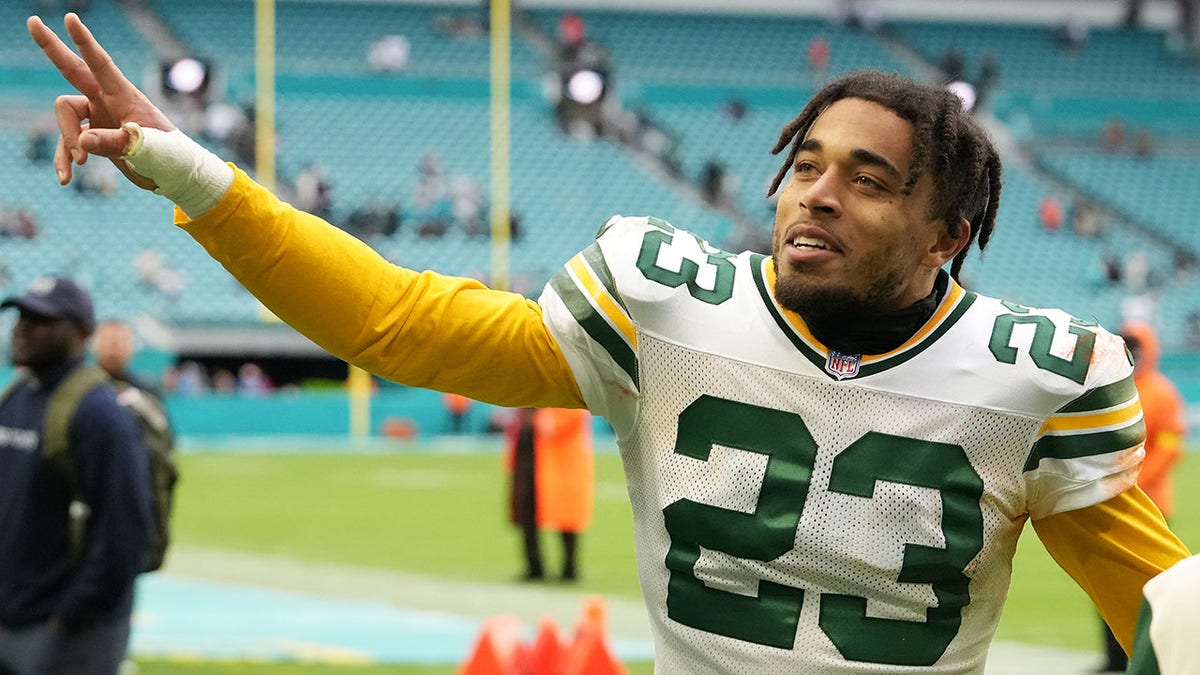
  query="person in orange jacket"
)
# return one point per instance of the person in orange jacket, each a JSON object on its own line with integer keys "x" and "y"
{"x": 1166, "y": 426}
{"x": 553, "y": 474}
{"x": 457, "y": 406}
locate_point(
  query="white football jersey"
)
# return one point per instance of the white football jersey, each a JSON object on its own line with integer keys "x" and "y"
{"x": 1169, "y": 622}
{"x": 797, "y": 510}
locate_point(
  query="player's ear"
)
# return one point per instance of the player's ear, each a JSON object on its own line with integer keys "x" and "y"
{"x": 950, "y": 241}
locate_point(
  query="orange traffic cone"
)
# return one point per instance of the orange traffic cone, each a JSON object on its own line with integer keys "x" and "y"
{"x": 590, "y": 653}
{"x": 548, "y": 652}
{"x": 498, "y": 650}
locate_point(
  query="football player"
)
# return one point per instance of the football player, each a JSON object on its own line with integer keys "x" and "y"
{"x": 831, "y": 451}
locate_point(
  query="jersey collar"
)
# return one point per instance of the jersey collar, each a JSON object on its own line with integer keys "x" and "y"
{"x": 847, "y": 366}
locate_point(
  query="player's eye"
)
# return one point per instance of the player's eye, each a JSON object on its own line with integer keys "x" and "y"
{"x": 806, "y": 168}
{"x": 868, "y": 182}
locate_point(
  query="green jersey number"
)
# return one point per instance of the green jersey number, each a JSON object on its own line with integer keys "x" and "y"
{"x": 689, "y": 270}
{"x": 1074, "y": 368}
{"x": 771, "y": 617}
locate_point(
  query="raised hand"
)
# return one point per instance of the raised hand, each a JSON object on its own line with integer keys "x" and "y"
{"x": 90, "y": 122}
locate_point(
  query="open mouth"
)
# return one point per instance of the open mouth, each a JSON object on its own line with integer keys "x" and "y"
{"x": 810, "y": 243}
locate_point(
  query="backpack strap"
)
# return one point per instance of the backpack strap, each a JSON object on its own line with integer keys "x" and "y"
{"x": 18, "y": 379}
{"x": 56, "y": 441}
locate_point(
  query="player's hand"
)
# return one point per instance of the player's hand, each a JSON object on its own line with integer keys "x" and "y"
{"x": 90, "y": 122}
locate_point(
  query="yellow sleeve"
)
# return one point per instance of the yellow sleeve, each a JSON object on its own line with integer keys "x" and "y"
{"x": 418, "y": 328}
{"x": 1111, "y": 550}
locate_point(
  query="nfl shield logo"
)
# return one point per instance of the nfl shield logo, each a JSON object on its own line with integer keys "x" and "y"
{"x": 841, "y": 365}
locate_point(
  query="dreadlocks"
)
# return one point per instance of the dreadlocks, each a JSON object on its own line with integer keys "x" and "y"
{"x": 946, "y": 143}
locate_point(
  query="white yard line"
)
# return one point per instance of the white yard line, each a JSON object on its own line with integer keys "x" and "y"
{"x": 529, "y": 602}
{"x": 476, "y": 599}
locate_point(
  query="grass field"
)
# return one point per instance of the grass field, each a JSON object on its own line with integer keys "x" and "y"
{"x": 445, "y": 515}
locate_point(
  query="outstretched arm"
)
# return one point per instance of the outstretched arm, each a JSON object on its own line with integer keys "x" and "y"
{"x": 423, "y": 329}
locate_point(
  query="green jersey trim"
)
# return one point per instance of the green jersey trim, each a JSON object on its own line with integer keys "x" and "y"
{"x": 593, "y": 321}
{"x": 950, "y": 310}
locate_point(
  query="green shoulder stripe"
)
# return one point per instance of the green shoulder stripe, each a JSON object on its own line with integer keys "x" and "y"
{"x": 1086, "y": 445}
{"x": 595, "y": 260}
{"x": 594, "y": 324}
{"x": 1103, "y": 397}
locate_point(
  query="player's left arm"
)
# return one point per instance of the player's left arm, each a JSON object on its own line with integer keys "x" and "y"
{"x": 1111, "y": 550}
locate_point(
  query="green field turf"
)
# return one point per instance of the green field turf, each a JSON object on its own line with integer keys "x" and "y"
{"x": 446, "y": 515}
{"x": 154, "y": 667}
{"x": 443, "y": 515}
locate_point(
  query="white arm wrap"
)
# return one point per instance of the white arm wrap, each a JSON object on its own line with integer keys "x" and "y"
{"x": 187, "y": 174}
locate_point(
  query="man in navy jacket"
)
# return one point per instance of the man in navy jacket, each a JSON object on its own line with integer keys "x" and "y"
{"x": 64, "y": 613}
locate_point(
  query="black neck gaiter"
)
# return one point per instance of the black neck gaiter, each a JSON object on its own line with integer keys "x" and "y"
{"x": 876, "y": 333}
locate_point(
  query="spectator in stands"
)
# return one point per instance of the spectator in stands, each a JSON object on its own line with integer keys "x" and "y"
{"x": 187, "y": 379}
{"x": 388, "y": 54}
{"x": 1137, "y": 270}
{"x": 862, "y": 14}
{"x": 515, "y": 227}
{"x": 1087, "y": 220}
{"x": 469, "y": 26}
{"x": 43, "y": 137}
{"x": 1133, "y": 14}
{"x": 223, "y": 121}
{"x": 374, "y": 219}
{"x": 252, "y": 381}
{"x": 236, "y": 127}
{"x": 154, "y": 273}
{"x": 18, "y": 223}
{"x": 313, "y": 193}
{"x": 819, "y": 52}
{"x": 952, "y": 65}
{"x": 1143, "y": 144}
{"x": 467, "y": 206}
{"x": 224, "y": 382}
{"x": 717, "y": 185}
{"x": 572, "y": 37}
{"x": 735, "y": 109}
{"x": 1185, "y": 265}
{"x": 985, "y": 83}
{"x": 1112, "y": 269}
{"x": 1072, "y": 35}
{"x": 1112, "y": 136}
{"x": 114, "y": 346}
{"x": 430, "y": 202}
{"x": 1050, "y": 213}
{"x": 1189, "y": 25}
{"x": 97, "y": 178}
{"x": 1140, "y": 306}
{"x": 552, "y": 471}
{"x": 1166, "y": 427}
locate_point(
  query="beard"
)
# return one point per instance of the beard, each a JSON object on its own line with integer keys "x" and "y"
{"x": 822, "y": 302}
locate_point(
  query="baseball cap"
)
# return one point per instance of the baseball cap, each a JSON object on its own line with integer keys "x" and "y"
{"x": 57, "y": 298}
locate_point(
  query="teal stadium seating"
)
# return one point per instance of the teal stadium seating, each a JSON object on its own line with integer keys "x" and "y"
{"x": 368, "y": 131}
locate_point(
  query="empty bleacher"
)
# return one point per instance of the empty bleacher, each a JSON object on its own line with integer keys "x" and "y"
{"x": 368, "y": 131}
